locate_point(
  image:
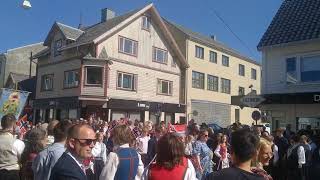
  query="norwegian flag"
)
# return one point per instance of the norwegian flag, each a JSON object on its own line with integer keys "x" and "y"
{"x": 22, "y": 123}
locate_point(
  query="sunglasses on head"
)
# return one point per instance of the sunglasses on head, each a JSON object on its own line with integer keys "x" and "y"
{"x": 86, "y": 142}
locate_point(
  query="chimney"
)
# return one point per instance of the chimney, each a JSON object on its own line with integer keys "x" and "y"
{"x": 213, "y": 37}
{"x": 107, "y": 14}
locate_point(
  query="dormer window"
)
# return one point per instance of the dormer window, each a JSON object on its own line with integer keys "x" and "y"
{"x": 57, "y": 46}
{"x": 146, "y": 23}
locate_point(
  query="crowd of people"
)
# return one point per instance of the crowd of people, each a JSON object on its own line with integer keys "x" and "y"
{"x": 123, "y": 149}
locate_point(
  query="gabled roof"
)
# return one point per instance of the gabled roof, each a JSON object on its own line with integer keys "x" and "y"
{"x": 208, "y": 41}
{"x": 296, "y": 20}
{"x": 96, "y": 30}
{"x": 68, "y": 32}
{"x": 18, "y": 77}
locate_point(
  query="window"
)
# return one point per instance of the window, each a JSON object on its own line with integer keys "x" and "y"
{"x": 291, "y": 70}
{"x": 199, "y": 52}
{"x": 197, "y": 80}
{"x": 164, "y": 87}
{"x": 213, "y": 83}
{"x": 253, "y": 74}
{"x": 47, "y": 82}
{"x": 241, "y": 70}
{"x": 237, "y": 115}
{"x": 128, "y": 46}
{"x": 225, "y": 85}
{"x": 71, "y": 79}
{"x": 213, "y": 57}
{"x": 225, "y": 60}
{"x": 254, "y": 91}
{"x": 126, "y": 81}
{"x": 57, "y": 45}
{"x": 160, "y": 55}
{"x": 310, "y": 69}
{"x": 241, "y": 91}
{"x": 94, "y": 75}
{"x": 146, "y": 22}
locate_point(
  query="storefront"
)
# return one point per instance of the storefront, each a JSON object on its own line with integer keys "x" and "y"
{"x": 144, "y": 111}
{"x": 297, "y": 109}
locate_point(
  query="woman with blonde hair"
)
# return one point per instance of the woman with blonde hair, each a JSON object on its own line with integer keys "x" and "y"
{"x": 124, "y": 162}
{"x": 264, "y": 154}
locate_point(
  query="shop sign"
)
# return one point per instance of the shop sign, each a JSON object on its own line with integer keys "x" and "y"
{"x": 316, "y": 98}
{"x": 252, "y": 100}
{"x": 143, "y": 105}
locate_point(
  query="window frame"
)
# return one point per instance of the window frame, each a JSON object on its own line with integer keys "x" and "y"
{"x": 255, "y": 76}
{"x": 86, "y": 76}
{"x": 223, "y": 86}
{"x": 203, "y": 81}
{"x": 214, "y": 88}
{"x": 202, "y": 54}
{"x": 244, "y": 91}
{"x": 170, "y": 86}
{"x": 64, "y": 79}
{"x": 224, "y": 57}
{"x": 243, "y": 68}
{"x": 56, "y": 51}
{"x": 154, "y": 55}
{"x": 42, "y": 82}
{"x": 148, "y": 22}
{"x": 133, "y": 81}
{"x": 215, "y": 59}
{"x": 134, "y": 54}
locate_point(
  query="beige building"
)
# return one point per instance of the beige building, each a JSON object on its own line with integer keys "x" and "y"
{"x": 126, "y": 66}
{"x": 216, "y": 73}
{"x": 291, "y": 66}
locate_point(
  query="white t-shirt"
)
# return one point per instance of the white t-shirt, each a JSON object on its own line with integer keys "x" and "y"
{"x": 143, "y": 144}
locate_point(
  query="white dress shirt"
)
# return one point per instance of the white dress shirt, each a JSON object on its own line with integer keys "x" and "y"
{"x": 143, "y": 144}
{"x": 110, "y": 168}
{"x": 100, "y": 150}
{"x": 275, "y": 154}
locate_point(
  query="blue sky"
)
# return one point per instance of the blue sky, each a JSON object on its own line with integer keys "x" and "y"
{"x": 247, "y": 18}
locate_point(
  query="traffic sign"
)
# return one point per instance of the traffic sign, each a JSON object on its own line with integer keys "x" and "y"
{"x": 256, "y": 115}
{"x": 252, "y": 100}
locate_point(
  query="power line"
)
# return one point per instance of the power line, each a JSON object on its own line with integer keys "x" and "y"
{"x": 229, "y": 28}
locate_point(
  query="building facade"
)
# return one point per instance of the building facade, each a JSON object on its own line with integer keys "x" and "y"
{"x": 126, "y": 66}
{"x": 17, "y": 61}
{"x": 216, "y": 73}
{"x": 291, "y": 65}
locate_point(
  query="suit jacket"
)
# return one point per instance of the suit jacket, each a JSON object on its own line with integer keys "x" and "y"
{"x": 152, "y": 144}
{"x": 67, "y": 168}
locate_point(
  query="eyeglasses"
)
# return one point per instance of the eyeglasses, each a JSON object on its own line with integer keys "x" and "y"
{"x": 86, "y": 142}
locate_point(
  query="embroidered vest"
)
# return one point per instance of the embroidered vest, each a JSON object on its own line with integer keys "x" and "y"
{"x": 7, "y": 157}
{"x": 177, "y": 173}
{"x": 128, "y": 164}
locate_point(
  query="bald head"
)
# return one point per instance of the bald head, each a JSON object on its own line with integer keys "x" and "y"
{"x": 80, "y": 131}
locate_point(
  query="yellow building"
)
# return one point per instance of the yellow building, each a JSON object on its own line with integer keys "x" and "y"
{"x": 215, "y": 74}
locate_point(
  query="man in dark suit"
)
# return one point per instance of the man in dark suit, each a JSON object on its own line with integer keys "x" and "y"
{"x": 81, "y": 140}
{"x": 152, "y": 144}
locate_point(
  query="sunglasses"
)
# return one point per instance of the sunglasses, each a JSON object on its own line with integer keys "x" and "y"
{"x": 86, "y": 142}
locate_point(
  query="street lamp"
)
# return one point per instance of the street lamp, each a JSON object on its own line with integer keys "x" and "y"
{"x": 26, "y": 4}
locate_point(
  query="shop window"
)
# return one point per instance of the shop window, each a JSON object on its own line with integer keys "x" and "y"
{"x": 47, "y": 82}
{"x": 165, "y": 87}
{"x": 71, "y": 79}
{"x": 94, "y": 75}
